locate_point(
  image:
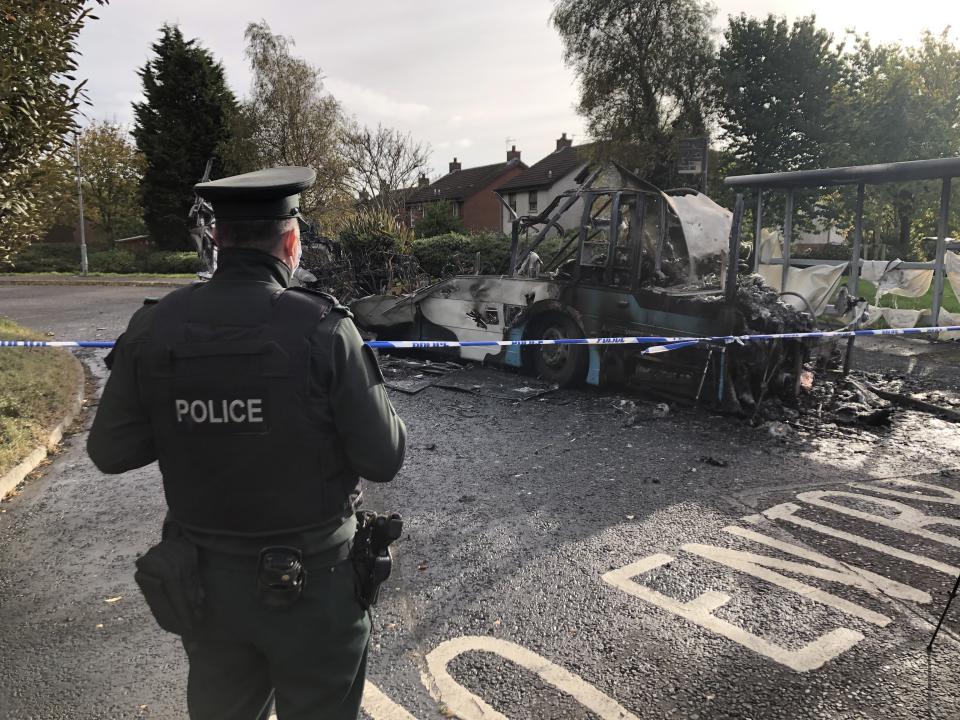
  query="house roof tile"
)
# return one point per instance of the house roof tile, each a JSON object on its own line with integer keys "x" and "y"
{"x": 546, "y": 172}
{"x": 462, "y": 184}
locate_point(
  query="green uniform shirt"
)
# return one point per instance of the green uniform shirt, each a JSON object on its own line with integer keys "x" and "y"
{"x": 367, "y": 437}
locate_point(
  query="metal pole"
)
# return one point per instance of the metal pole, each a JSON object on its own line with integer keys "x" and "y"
{"x": 854, "y": 284}
{"x": 758, "y": 231}
{"x": 83, "y": 235}
{"x": 856, "y": 250}
{"x": 706, "y": 162}
{"x": 943, "y": 615}
{"x": 661, "y": 233}
{"x": 787, "y": 234}
{"x": 733, "y": 252}
{"x": 514, "y": 246}
{"x": 938, "y": 261}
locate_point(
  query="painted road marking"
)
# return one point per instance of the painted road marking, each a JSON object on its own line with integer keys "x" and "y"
{"x": 787, "y": 513}
{"x": 863, "y": 579}
{"x": 375, "y": 704}
{"x": 464, "y": 704}
{"x": 908, "y": 519}
{"x": 700, "y": 611}
{"x": 758, "y": 566}
{"x": 905, "y": 518}
{"x": 379, "y": 707}
{"x": 953, "y": 496}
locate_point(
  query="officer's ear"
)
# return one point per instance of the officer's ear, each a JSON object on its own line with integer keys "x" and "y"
{"x": 289, "y": 242}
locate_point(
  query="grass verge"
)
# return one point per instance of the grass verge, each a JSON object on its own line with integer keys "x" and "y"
{"x": 37, "y": 386}
{"x": 93, "y": 276}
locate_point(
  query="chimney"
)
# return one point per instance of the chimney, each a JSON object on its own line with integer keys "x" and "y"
{"x": 513, "y": 154}
{"x": 423, "y": 180}
{"x": 454, "y": 166}
{"x": 564, "y": 142}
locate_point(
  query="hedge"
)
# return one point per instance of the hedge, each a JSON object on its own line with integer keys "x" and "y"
{"x": 453, "y": 254}
{"x": 41, "y": 258}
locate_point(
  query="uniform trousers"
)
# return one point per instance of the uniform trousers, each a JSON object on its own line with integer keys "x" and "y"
{"x": 310, "y": 657}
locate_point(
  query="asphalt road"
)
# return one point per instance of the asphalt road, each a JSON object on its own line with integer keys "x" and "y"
{"x": 558, "y": 562}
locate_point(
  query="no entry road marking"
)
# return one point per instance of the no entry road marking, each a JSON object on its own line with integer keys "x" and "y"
{"x": 899, "y": 516}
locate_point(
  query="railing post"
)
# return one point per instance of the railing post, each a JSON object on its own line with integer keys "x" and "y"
{"x": 733, "y": 252}
{"x": 787, "y": 236}
{"x": 857, "y": 250}
{"x": 758, "y": 231}
{"x": 854, "y": 284}
{"x": 939, "y": 270}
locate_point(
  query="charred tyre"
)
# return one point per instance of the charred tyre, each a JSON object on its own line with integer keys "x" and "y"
{"x": 565, "y": 365}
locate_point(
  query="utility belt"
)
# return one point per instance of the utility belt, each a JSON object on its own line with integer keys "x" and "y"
{"x": 169, "y": 573}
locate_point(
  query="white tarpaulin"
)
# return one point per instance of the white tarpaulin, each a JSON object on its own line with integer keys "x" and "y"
{"x": 951, "y": 263}
{"x": 895, "y": 318}
{"x": 706, "y": 225}
{"x": 815, "y": 284}
{"x": 771, "y": 246}
{"x": 890, "y": 279}
{"x": 948, "y": 318}
{"x": 911, "y": 318}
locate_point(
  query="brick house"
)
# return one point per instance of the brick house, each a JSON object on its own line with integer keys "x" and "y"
{"x": 470, "y": 193}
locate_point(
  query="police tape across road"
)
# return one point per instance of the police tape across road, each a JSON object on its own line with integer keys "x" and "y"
{"x": 658, "y": 344}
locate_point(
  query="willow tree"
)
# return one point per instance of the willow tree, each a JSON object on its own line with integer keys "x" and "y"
{"x": 645, "y": 70}
{"x": 39, "y": 96}
{"x": 295, "y": 122}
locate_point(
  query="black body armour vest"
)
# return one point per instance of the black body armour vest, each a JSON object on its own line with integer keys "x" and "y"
{"x": 237, "y": 397}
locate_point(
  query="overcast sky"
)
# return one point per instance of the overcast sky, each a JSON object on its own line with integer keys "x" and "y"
{"x": 461, "y": 75}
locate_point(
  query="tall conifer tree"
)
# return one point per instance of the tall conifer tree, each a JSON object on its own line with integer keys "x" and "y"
{"x": 184, "y": 120}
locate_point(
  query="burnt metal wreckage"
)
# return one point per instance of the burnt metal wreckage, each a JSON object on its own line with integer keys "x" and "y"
{"x": 647, "y": 262}
{"x": 640, "y": 262}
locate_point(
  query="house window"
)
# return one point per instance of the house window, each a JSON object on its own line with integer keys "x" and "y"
{"x": 512, "y": 198}
{"x": 533, "y": 201}
{"x": 455, "y": 207}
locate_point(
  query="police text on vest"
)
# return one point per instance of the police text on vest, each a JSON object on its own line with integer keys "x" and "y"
{"x": 248, "y": 410}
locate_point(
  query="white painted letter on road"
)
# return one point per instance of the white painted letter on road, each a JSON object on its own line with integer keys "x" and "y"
{"x": 908, "y": 519}
{"x": 700, "y": 611}
{"x": 464, "y": 704}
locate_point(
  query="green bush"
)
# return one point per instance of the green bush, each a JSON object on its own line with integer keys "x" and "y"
{"x": 65, "y": 258}
{"x": 374, "y": 231}
{"x": 376, "y": 245}
{"x": 170, "y": 262}
{"x": 112, "y": 261}
{"x": 456, "y": 254}
{"x": 438, "y": 219}
{"x": 45, "y": 258}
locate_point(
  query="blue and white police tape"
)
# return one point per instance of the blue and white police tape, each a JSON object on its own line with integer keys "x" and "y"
{"x": 58, "y": 343}
{"x": 659, "y": 344}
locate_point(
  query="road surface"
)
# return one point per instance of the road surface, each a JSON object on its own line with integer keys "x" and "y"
{"x": 557, "y": 561}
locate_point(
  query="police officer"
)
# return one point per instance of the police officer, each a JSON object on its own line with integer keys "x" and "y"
{"x": 264, "y": 409}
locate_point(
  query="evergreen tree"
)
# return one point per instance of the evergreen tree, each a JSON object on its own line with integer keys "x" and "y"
{"x": 185, "y": 120}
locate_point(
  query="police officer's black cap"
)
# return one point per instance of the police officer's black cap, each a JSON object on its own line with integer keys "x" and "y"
{"x": 272, "y": 194}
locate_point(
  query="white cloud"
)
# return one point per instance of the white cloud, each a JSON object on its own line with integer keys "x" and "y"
{"x": 465, "y": 142}
{"x": 373, "y": 104}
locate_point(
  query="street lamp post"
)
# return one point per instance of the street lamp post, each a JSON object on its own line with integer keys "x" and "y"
{"x": 83, "y": 235}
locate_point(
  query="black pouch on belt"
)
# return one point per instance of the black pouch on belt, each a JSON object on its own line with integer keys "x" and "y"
{"x": 169, "y": 577}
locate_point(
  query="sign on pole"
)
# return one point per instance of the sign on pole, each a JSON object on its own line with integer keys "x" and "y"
{"x": 692, "y": 157}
